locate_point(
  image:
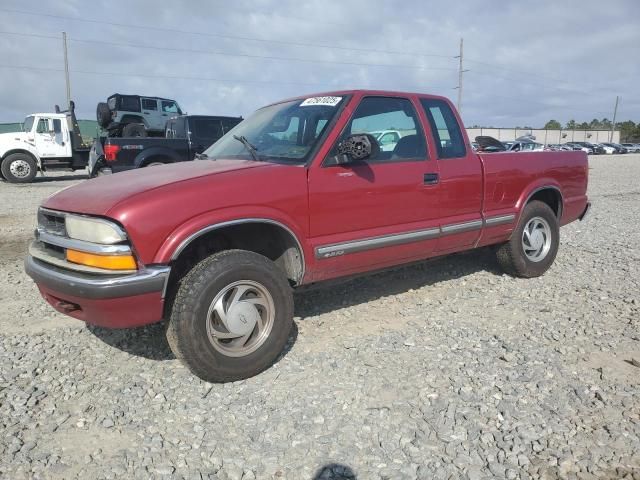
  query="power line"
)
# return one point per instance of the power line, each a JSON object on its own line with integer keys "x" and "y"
{"x": 226, "y": 54}
{"x": 182, "y": 77}
{"x": 225, "y": 36}
{"x": 147, "y": 75}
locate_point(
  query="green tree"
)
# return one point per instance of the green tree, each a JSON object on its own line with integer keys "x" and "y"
{"x": 583, "y": 126}
{"x": 553, "y": 125}
{"x": 629, "y": 131}
{"x": 605, "y": 123}
{"x": 595, "y": 123}
{"x": 571, "y": 125}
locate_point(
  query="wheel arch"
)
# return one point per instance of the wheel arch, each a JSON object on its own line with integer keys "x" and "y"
{"x": 265, "y": 236}
{"x": 549, "y": 194}
{"x": 126, "y": 119}
{"x": 156, "y": 153}
{"x": 33, "y": 155}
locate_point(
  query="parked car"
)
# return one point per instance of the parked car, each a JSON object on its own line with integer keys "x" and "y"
{"x": 618, "y": 148}
{"x": 607, "y": 149}
{"x": 49, "y": 141}
{"x": 579, "y": 146}
{"x": 215, "y": 246}
{"x": 387, "y": 139}
{"x": 185, "y": 137}
{"x": 631, "y": 147}
{"x": 525, "y": 147}
{"x": 556, "y": 147}
{"x": 135, "y": 115}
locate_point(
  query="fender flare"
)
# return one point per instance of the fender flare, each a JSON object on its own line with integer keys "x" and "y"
{"x": 193, "y": 228}
{"x": 540, "y": 185}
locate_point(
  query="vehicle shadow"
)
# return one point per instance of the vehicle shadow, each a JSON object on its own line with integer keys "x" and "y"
{"x": 59, "y": 178}
{"x": 150, "y": 341}
{"x": 335, "y": 471}
{"x": 147, "y": 342}
{"x": 329, "y": 296}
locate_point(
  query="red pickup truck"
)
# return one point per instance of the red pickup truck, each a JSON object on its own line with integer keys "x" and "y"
{"x": 300, "y": 192}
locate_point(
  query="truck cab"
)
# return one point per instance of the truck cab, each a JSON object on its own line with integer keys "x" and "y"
{"x": 47, "y": 141}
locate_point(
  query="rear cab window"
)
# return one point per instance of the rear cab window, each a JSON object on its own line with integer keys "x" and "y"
{"x": 206, "y": 128}
{"x": 445, "y": 128}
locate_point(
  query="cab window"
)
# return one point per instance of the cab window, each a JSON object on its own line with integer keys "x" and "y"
{"x": 394, "y": 125}
{"x": 43, "y": 126}
{"x": 169, "y": 106}
{"x": 445, "y": 128}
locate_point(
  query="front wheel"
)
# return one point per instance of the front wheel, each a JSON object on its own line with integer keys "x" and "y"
{"x": 534, "y": 243}
{"x": 231, "y": 316}
{"x": 19, "y": 168}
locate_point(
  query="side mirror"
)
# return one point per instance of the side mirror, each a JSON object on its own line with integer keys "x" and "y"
{"x": 356, "y": 147}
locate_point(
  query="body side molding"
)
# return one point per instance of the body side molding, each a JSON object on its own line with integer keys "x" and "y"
{"x": 354, "y": 246}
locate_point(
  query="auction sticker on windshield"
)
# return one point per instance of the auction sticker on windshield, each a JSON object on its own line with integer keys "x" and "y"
{"x": 329, "y": 101}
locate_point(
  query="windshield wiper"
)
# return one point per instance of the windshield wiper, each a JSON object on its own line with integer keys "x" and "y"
{"x": 202, "y": 156}
{"x": 247, "y": 144}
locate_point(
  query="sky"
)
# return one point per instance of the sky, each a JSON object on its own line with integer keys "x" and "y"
{"x": 527, "y": 62}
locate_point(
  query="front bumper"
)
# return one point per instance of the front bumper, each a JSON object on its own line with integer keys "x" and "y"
{"x": 116, "y": 301}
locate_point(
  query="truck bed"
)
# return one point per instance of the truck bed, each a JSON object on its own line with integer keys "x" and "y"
{"x": 136, "y": 152}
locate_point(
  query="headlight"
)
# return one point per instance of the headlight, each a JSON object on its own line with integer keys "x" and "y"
{"x": 94, "y": 230}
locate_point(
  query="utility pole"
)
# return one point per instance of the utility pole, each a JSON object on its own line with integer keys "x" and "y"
{"x": 461, "y": 70}
{"x": 66, "y": 69}
{"x": 613, "y": 123}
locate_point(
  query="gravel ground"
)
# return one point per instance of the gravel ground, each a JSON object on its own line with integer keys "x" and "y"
{"x": 444, "y": 370}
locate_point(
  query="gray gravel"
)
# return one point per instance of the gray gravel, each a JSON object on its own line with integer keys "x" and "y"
{"x": 443, "y": 370}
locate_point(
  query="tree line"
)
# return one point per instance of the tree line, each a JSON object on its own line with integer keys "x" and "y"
{"x": 629, "y": 131}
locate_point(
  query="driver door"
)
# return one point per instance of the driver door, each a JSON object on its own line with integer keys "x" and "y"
{"x": 380, "y": 211}
{"x": 50, "y": 138}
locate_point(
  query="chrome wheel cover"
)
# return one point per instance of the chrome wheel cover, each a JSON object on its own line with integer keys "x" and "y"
{"x": 240, "y": 318}
{"x": 20, "y": 169}
{"x": 536, "y": 239}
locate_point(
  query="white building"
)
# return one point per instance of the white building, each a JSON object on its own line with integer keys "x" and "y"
{"x": 546, "y": 136}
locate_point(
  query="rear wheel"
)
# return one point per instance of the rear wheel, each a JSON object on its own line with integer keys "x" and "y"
{"x": 534, "y": 243}
{"x": 134, "y": 130}
{"x": 231, "y": 316}
{"x": 19, "y": 168}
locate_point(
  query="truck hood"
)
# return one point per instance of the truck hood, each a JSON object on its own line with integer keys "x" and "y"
{"x": 12, "y": 137}
{"x": 100, "y": 195}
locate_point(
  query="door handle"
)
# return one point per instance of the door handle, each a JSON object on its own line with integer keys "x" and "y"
{"x": 431, "y": 178}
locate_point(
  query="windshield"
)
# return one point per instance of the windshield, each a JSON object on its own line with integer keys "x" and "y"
{"x": 28, "y": 124}
{"x": 283, "y": 132}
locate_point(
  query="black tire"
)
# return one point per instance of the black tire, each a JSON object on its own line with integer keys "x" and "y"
{"x": 511, "y": 255}
{"x": 134, "y": 130}
{"x": 187, "y": 331}
{"x": 19, "y": 168}
{"x": 103, "y": 114}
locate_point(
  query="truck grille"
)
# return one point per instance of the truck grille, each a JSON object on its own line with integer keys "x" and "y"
{"x": 51, "y": 222}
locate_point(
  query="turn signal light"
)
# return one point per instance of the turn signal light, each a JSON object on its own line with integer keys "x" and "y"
{"x": 108, "y": 262}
